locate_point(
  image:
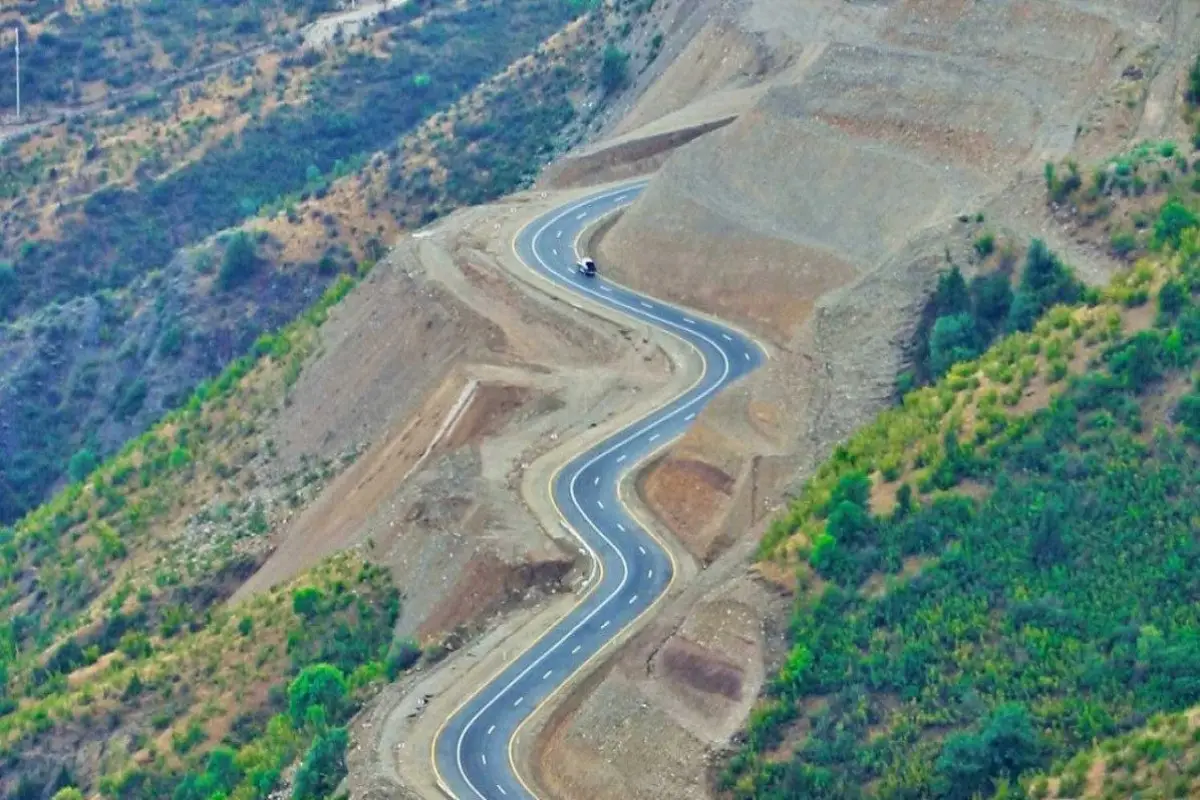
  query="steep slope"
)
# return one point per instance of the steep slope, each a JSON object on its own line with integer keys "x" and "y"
{"x": 819, "y": 166}
{"x": 113, "y": 265}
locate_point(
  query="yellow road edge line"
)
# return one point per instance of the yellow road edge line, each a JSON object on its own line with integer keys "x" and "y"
{"x": 439, "y": 780}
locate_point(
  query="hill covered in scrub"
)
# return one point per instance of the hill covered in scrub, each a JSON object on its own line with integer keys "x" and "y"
{"x": 122, "y": 284}
{"x": 1001, "y": 570}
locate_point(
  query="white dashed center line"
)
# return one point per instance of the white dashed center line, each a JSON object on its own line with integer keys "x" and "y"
{"x": 747, "y": 355}
{"x": 727, "y": 337}
{"x": 484, "y": 760}
{"x": 556, "y": 251}
{"x": 606, "y": 289}
{"x": 645, "y": 304}
{"x": 621, "y": 458}
{"x": 576, "y": 650}
{"x": 596, "y": 482}
{"x": 581, "y": 215}
{"x": 689, "y": 320}
{"x": 641, "y": 550}
{"x": 649, "y": 573}
{"x": 655, "y": 436}
{"x": 607, "y": 622}
{"x": 633, "y": 600}
{"x": 501, "y": 789}
{"x": 517, "y": 702}
{"x": 548, "y": 673}
{"x": 622, "y": 527}
{"x": 600, "y": 504}
{"x": 690, "y": 417}
{"x": 491, "y": 729}
{"x": 558, "y": 235}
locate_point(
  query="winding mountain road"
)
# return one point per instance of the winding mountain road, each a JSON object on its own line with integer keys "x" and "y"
{"x": 472, "y": 753}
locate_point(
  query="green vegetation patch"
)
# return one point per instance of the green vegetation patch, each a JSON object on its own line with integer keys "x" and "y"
{"x": 1037, "y": 592}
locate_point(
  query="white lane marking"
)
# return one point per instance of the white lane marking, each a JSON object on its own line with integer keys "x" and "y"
{"x": 576, "y": 650}
{"x": 606, "y": 289}
{"x": 633, "y": 600}
{"x": 491, "y": 729}
{"x": 600, "y": 504}
{"x": 549, "y": 672}
{"x": 559, "y": 234}
{"x": 483, "y": 758}
{"x": 690, "y": 417}
{"x": 645, "y": 304}
{"x": 607, "y": 622}
{"x": 621, "y": 458}
{"x": 649, "y": 573}
{"x": 641, "y": 550}
{"x": 517, "y": 702}
{"x": 581, "y": 215}
{"x": 501, "y": 788}
{"x": 597, "y": 481}
{"x": 727, "y": 337}
{"x": 619, "y": 199}
{"x": 655, "y": 436}
{"x": 726, "y": 369}
{"x": 622, "y": 527}
{"x": 747, "y": 355}
{"x": 689, "y": 320}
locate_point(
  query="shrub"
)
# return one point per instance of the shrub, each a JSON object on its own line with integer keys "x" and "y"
{"x": 240, "y": 261}
{"x": 1173, "y": 219}
{"x": 404, "y": 654}
{"x": 1122, "y": 243}
{"x": 306, "y": 601}
{"x": 985, "y": 244}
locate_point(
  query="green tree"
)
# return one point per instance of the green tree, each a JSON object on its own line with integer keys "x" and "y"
{"x": 955, "y": 338}
{"x": 306, "y": 601}
{"x": 82, "y": 464}
{"x": 240, "y": 261}
{"x": 991, "y": 299}
{"x": 614, "y": 69}
{"x": 970, "y": 764}
{"x": 1045, "y": 282}
{"x": 1193, "y": 86}
{"x": 1173, "y": 297}
{"x": 68, "y": 793}
{"x": 324, "y": 766}
{"x": 1173, "y": 219}
{"x": 10, "y": 289}
{"x": 321, "y": 685}
{"x": 951, "y": 295}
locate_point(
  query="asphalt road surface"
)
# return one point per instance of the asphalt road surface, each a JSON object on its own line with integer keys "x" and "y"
{"x": 471, "y": 752}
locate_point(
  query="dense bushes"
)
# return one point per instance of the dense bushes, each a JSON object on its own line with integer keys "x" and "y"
{"x": 961, "y": 321}
{"x": 958, "y": 641}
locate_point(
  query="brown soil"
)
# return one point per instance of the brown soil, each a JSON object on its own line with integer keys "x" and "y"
{"x": 818, "y": 219}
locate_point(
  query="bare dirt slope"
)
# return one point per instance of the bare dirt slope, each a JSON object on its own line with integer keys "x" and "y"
{"x": 857, "y": 144}
{"x": 451, "y": 376}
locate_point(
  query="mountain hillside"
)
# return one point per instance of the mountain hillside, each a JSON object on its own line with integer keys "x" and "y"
{"x": 214, "y": 587}
{"x": 120, "y": 282}
{"x": 996, "y": 574}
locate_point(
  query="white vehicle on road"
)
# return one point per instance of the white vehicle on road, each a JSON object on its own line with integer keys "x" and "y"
{"x": 586, "y": 268}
